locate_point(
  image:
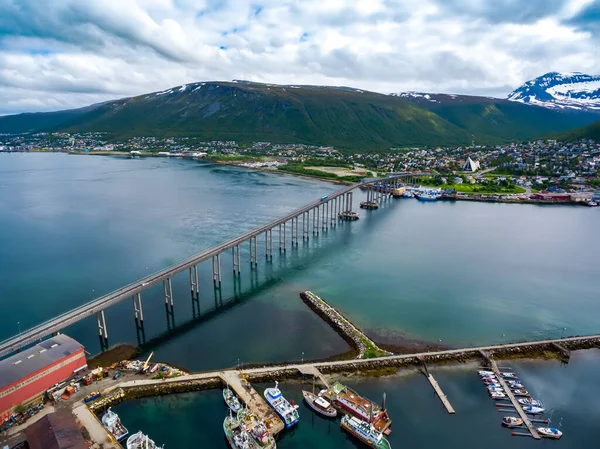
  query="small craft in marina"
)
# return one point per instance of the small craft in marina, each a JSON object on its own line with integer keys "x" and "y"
{"x": 319, "y": 404}
{"x": 231, "y": 400}
{"x": 533, "y": 410}
{"x": 521, "y": 392}
{"x": 549, "y": 432}
{"x": 511, "y": 421}
{"x": 497, "y": 394}
{"x": 529, "y": 401}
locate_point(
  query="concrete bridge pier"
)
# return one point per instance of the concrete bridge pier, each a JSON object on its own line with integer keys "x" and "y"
{"x": 193, "y": 279}
{"x": 137, "y": 307}
{"x": 253, "y": 252}
{"x": 284, "y": 237}
{"x": 305, "y": 226}
{"x": 323, "y": 216}
{"x": 102, "y": 330}
{"x": 168, "y": 289}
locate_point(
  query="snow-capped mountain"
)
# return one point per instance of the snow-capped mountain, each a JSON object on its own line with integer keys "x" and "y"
{"x": 556, "y": 90}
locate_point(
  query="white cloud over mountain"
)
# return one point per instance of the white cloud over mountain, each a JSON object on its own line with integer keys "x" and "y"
{"x": 69, "y": 53}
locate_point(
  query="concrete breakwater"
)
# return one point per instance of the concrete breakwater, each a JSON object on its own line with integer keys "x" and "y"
{"x": 349, "y": 332}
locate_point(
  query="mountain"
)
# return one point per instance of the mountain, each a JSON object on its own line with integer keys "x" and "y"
{"x": 589, "y": 132}
{"x": 341, "y": 116}
{"x": 492, "y": 120}
{"x": 556, "y": 90}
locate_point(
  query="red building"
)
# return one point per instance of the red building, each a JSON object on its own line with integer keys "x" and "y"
{"x": 28, "y": 374}
{"x": 551, "y": 196}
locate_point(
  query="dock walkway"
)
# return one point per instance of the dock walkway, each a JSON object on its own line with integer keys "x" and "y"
{"x": 440, "y": 394}
{"x": 511, "y": 396}
{"x": 312, "y": 370}
{"x": 254, "y": 401}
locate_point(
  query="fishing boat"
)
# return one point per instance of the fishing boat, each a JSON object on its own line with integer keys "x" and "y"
{"x": 319, "y": 404}
{"x": 256, "y": 429}
{"x": 90, "y": 397}
{"x": 549, "y": 432}
{"x": 427, "y": 196}
{"x": 286, "y": 411}
{"x": 365, "y": 432}
{"x": 350, "y": 401}
{"x": 237, "y": 438}
{"x": 113, "y": 424}
{"x": 529, "y": 401}
{"x": 511, "y": 421}
{"x": 497, "y": 394}
{"x": 140, "y": 441}
{"x": 231, "y": 400}
{"x": 533, "y": 410}
{"x": 521, "y": 392}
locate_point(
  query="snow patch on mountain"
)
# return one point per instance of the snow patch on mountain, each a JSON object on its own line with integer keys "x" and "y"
{"x": 554, "y": 90}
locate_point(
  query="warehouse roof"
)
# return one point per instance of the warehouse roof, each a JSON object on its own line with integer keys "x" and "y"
{"x": 36, "y": 358}
{"x": 55, "y": 431}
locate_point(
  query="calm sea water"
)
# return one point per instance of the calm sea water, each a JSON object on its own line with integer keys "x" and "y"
{"x": 75, "y": 227}
{"x": 570, "y": 393}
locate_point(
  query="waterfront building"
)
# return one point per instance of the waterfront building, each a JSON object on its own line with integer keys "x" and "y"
{"x": 471, "y": 165}
{"x": 28, "y": 374}
{"x": 55, "y": 431}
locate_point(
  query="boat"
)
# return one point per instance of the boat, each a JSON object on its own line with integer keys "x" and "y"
{"x": 427, "y": 196}
{"x": 407, "y": 194}
{"x": 140, "y": 441}
{"x": 497, "y": 394}
{"x": 509, "y": 375}
{"x": 256, "y": 429}
{"x": 350, "y": 401}
{"x": 319, "y": 404}
{"x": 286, "y": 411}
{"x": 549, "y": 432}
{"x": 112, "y": 422}
{"x": 365, "y": 432}
{"x": 495, "y": 388}
{"x": 593, "y": 204}
{"x": 521, "y": 392}
{"x": 515, "y": 384}
{"x": 484, "y": 373}
{"x": 529, "y": 401}
{"x": 90, "y": 397}
{"x": 533, "y": 410}
{"x": 511, "y": 421}
{"x": 237, "y": 438}
{"x": 231, "y": 400}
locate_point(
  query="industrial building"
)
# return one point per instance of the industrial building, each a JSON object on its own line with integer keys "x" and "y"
{"x": 55, "y": 431}
{"x": 28, "y": 374}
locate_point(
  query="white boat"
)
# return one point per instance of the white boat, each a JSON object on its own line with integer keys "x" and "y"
{"x": 515, "y": 384}
{"x": 112, "y": 422}
{"x": 286, "y": 411}
{"x": 231, "y": 400}
{"x": 236, "y": 436}
{"x": 511, "y": 421}
{"x": 495, "y": 388}
{"x": 319, "y": 404}
{"x": 365, "y": 432}
{"x": 549, "y": 432}
{"x": 497, "y": 395}
{"x": 533, "y": 410}
{"x": 141, "y": 441}
{"x": 529, "y": 401}
{"x": 520, "y": 392}
{"x": 484, "y": 373}
{"x": 509, "y": 375}
{"x": 256, "y": 429}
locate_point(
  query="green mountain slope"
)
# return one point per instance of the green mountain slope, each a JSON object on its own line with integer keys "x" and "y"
{"x": 498, "y": 120}
{"x": 344, "y": 117}
{"x": 589, "y": 132}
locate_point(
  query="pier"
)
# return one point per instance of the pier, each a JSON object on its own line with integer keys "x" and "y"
{"x": 317, "y": 216}
{"x": 440, "y": 394}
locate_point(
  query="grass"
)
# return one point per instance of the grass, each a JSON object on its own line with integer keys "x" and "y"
{"x": 478, "y": 188}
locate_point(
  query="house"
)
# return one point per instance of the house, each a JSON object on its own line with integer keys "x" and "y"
{"x": 57, "y": 430}
{"x": 458, "y": 180}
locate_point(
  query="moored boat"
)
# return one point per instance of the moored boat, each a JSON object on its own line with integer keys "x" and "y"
{"x": 365, "y": 432}
{"x": 256, "y": 429}
{"x": 286, "y": 411}
{"x": 549, "y": 432}
{"x": 319, "y": 404}
{"x": 350, "y": 401}
{"x": 511, "y": 421}
{"x": 484, "y": 373}
{"x": 231, "y": 400}
{"x": 593, "y": 204}
{"x": 520, "y": 392}
{"x": 427, "y": 196}
{"x": 497, "y": 394}
{"x": 533, "y": 410}
{"x": 509, "y": 375}
{"x": 112, "y": 422}
{"x": 515, "y": 384}
{"x": 140, "y": 441}
{"x": 529, "y": 401}
{"x": 237, "y": 438}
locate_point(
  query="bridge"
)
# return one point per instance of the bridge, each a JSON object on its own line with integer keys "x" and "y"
{"x": 320, "y": 214}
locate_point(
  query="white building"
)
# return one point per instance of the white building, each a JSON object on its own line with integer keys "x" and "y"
{"x": 471, "y": 165}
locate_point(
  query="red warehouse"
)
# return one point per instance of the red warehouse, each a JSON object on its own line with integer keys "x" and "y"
{"x": 31, "y": 372}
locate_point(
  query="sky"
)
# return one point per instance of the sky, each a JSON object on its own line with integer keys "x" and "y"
{"x": 60, "y": 54}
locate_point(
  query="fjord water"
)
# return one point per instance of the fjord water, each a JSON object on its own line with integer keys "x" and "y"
{"x": 75, "y": 227}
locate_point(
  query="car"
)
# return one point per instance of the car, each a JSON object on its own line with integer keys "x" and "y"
{"x": 117, "y": 375}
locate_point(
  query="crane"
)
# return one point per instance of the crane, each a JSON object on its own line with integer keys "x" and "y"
{"x": 145, "y": 366}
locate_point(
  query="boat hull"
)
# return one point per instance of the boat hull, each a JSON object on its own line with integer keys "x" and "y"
{"x": 383, "y": 444}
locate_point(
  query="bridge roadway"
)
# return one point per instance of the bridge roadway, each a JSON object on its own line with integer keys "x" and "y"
{"x": 91, "y": 308}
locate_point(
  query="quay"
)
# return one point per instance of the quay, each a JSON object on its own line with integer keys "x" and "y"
{"x": 319, "y": 215}
{"x": 440, "y": 394}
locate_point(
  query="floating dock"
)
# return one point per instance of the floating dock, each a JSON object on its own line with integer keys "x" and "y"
{"x": 440, "y": 394}
{"x": 253, "y": 400}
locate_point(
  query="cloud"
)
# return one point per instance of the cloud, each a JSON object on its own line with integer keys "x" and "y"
{"x": 70, "y": 53}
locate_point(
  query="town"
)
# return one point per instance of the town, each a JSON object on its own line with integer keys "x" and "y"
{"x": 534, "y": 167}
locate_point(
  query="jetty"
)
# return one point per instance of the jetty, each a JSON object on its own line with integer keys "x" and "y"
{"x": 348, "y": 331}
{"x": 437, "y": 388}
